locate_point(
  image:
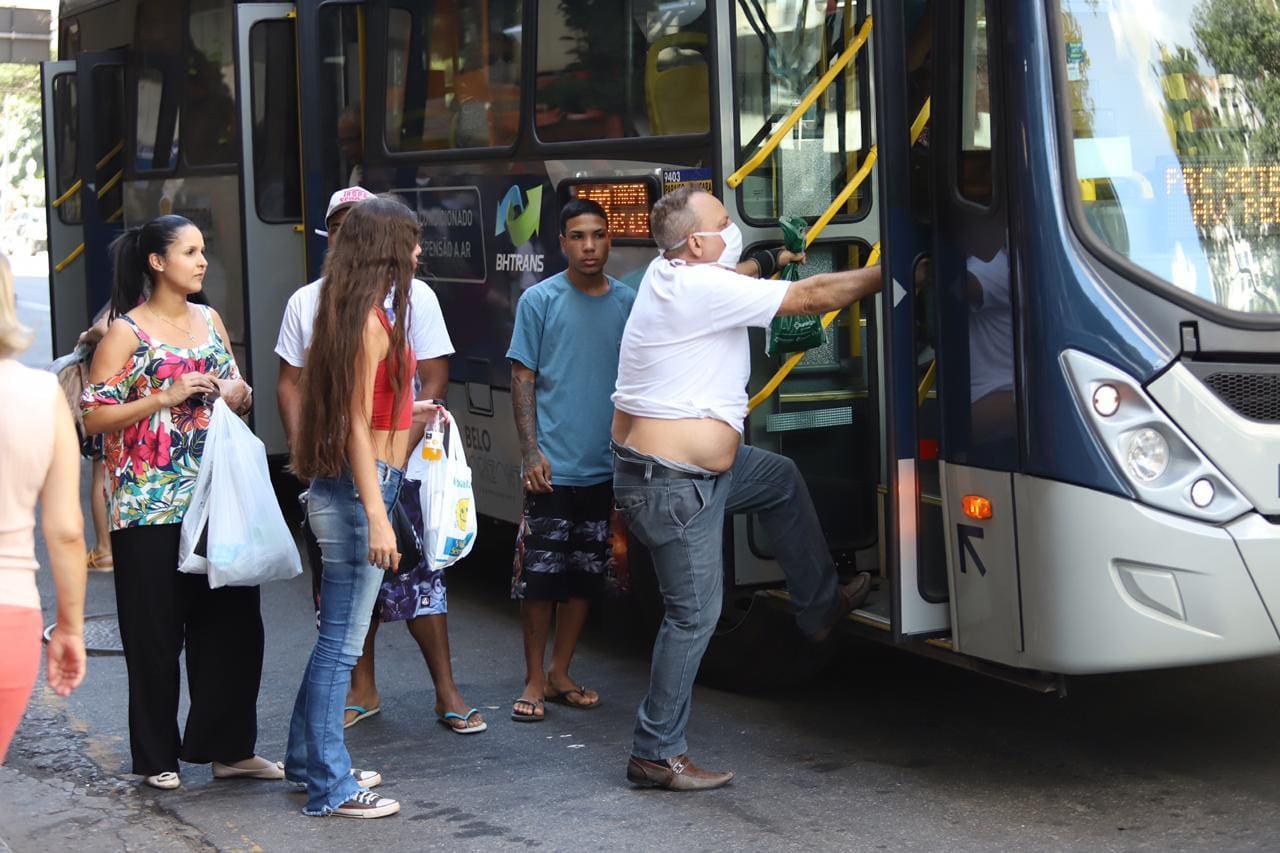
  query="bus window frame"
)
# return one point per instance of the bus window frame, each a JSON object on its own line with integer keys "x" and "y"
{"x": 863, "y": 70}
{"x": 1089, "y": 240}
{"x": 252, "y": 130}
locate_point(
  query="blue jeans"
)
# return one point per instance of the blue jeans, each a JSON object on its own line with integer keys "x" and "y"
{"x": 681, "y": 522}
{"x": 317, "y": 754}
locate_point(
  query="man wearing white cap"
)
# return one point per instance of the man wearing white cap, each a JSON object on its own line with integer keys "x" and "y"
{"x": 416, "y": 596}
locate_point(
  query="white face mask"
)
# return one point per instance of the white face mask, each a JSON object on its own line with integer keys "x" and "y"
{"x": 732, "y": 237}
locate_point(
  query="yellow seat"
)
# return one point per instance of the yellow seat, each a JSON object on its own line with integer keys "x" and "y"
{"x": 678, "y": 97}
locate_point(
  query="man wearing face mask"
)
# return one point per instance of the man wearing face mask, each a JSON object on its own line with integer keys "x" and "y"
{"x": 680, "y": 464}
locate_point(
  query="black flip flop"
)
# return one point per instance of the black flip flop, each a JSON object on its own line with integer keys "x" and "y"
{"x": 529, "y": 718}
{"x": 562, "y": 698}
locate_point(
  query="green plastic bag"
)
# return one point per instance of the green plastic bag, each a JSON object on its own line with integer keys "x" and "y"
{"x": 794, "y": 334}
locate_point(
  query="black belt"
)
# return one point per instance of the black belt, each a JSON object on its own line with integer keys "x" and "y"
{"x": 657, "y": 471}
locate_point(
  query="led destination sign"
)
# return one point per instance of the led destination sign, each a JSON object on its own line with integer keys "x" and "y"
{"x": 626, "y": 203}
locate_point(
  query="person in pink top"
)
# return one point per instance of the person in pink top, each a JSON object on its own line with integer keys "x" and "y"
{"x": 39, "y": 462}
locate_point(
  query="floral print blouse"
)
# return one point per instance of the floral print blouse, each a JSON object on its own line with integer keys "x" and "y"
{"x": 152, "y": 464}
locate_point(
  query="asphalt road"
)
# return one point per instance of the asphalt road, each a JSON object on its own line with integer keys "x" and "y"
{"x": 883, "y": 751}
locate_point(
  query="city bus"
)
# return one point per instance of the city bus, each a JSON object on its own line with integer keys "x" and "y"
{"x": 1053, "y": 437}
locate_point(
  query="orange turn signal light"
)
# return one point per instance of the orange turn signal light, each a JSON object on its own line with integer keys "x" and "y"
{"x": 976, "y": 506}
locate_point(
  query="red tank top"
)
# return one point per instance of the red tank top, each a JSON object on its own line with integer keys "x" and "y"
{"x": 384, "y": 395}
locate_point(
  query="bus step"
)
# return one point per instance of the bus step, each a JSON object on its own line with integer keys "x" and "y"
{"x": 811, "y": 419}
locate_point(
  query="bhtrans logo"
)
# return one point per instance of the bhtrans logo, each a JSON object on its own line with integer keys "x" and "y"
{"x": 520, "y": 218}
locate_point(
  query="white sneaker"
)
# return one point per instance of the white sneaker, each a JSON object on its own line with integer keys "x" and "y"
{"x": 367, "y": 778}
{"x": 165, "y": 781}
{"x": 368, "y": 804}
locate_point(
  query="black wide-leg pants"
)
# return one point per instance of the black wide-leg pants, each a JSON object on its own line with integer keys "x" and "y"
{"x": 160, "y": 610}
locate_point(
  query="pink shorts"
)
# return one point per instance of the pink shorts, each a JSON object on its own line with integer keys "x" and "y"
{"x": 20, "y": 629}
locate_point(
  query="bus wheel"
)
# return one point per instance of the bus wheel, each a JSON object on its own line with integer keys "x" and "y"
{"x": 757, "y": 647}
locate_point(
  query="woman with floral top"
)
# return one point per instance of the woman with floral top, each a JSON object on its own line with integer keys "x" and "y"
{"x": 154, "y": 377}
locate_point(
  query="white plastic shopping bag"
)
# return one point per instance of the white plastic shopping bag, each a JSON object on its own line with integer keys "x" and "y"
{"x": 234, "y": 511}
{"x": 448, "y": 508}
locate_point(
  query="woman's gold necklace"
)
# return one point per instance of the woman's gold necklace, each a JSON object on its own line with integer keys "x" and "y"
{"x": 186, "y": 331}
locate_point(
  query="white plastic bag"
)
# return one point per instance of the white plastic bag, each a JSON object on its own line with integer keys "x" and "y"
{"x": 248, "y": 541}
{"x": 448, "y": 509}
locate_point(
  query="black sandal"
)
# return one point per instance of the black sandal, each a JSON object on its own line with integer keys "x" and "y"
{"x": 562, "y": 698}
{"x": 520, "y": 717}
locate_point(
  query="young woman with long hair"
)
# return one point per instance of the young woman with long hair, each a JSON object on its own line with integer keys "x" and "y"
{"x": 151, "y": 386}
{"x": 39, "y": 463}
{"x": 357, "y": 399}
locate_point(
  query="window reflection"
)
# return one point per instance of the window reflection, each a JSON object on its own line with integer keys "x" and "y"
{"x": 622, "y": 69}
{"x": 1176, "y": 126}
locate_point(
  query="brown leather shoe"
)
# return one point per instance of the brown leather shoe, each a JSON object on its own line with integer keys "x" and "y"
{"x": 851, "y": 596}
{"x": 674, "y": 774}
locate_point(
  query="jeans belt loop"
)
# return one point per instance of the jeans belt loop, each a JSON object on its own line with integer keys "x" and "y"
{"x": 648, "y": 471}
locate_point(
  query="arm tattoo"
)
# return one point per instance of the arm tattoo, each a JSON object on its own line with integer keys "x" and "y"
{"x": 526, "y": 412}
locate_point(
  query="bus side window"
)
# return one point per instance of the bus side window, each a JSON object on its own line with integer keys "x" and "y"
{"x": 342, "y": 149}
{"x": 640, "y": 72}
{"x": 276, "y": 170}
{"x": 157, "y": 78}
{"x": 975, "y": 167}
{"x": 453, "y": 77}
{"x": 208, "y": 100}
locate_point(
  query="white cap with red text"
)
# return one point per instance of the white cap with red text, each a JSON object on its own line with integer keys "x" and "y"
{"x": 343, "y": 199}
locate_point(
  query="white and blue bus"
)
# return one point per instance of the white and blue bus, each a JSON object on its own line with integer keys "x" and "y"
{"x": 1055, "y": 436}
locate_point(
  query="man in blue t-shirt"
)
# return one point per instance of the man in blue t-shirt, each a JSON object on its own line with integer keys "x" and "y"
{"x": 564, "y": 361}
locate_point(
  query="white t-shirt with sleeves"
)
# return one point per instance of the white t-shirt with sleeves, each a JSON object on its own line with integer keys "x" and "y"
{"x": 685, "y": 352}
{"x": 426, "y": 333}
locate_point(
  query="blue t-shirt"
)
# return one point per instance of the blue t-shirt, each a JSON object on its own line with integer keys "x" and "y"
{"x": 570, "y": 340}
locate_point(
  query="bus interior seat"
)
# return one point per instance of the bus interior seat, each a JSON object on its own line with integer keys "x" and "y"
{"x": 676, "y": 86}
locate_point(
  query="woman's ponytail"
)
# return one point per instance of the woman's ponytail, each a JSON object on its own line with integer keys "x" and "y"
{"x": 130, "y": 271}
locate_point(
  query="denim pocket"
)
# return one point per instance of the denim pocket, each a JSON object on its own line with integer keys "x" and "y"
{"x": 629, "y": 502}
{"x": 686, "y": 501}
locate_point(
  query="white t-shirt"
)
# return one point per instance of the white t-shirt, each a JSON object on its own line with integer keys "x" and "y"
{"x": 685, "y": 351}
{"x": 426, "y": 333}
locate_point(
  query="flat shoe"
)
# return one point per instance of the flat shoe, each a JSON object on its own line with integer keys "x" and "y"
{"x": 463, "y": 729}
{"x": 521, "y": 717}
{"x": 362, "y": 713}
{"x": 166, "y": 781}
{"x": 270, "y": 770}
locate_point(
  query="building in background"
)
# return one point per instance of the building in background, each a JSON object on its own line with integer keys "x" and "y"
{"x": 26, "y": 30}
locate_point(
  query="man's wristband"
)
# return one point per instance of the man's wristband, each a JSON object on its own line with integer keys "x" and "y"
{"x": 766, "y": 260}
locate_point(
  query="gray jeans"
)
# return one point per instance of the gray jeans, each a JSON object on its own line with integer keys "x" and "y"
{"x": 681, "y": 522}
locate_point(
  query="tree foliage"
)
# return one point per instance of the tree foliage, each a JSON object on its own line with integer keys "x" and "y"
{"x": 21, "y": 142}
{"x": 1242, "y": 38}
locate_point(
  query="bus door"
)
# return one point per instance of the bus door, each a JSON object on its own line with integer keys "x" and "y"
{"x": 912, "y": 545}
{"x": 818, "y": 407}
{"x": 84, "y": 160}
{"x": 976, "y": 340}
{"x": 271, "y": 188}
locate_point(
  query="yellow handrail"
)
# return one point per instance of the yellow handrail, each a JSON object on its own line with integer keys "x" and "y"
{"x": 917, "y": 127}
{"x": 66, "y": 262}
{"x": 67, "y": 196}
{"x": 805, "y": 103}
{"x": 106, "y": 188}
{"x": 110, "y": 154}
{"x": 927, "y": 382}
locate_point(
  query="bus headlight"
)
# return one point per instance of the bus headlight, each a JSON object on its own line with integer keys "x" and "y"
{"x": 1158, "y": 461}
{"x": 1148, "y": 455}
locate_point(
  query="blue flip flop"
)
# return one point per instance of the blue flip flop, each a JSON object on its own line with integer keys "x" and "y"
{"x": 465, "y": 730}
{"x": 362, "y": 713}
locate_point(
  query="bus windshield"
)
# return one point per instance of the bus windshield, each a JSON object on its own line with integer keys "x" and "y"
{"x": 1175, "y": 119}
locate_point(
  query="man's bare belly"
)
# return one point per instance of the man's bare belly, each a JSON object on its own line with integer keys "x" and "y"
{"x": 704, "y": 442}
